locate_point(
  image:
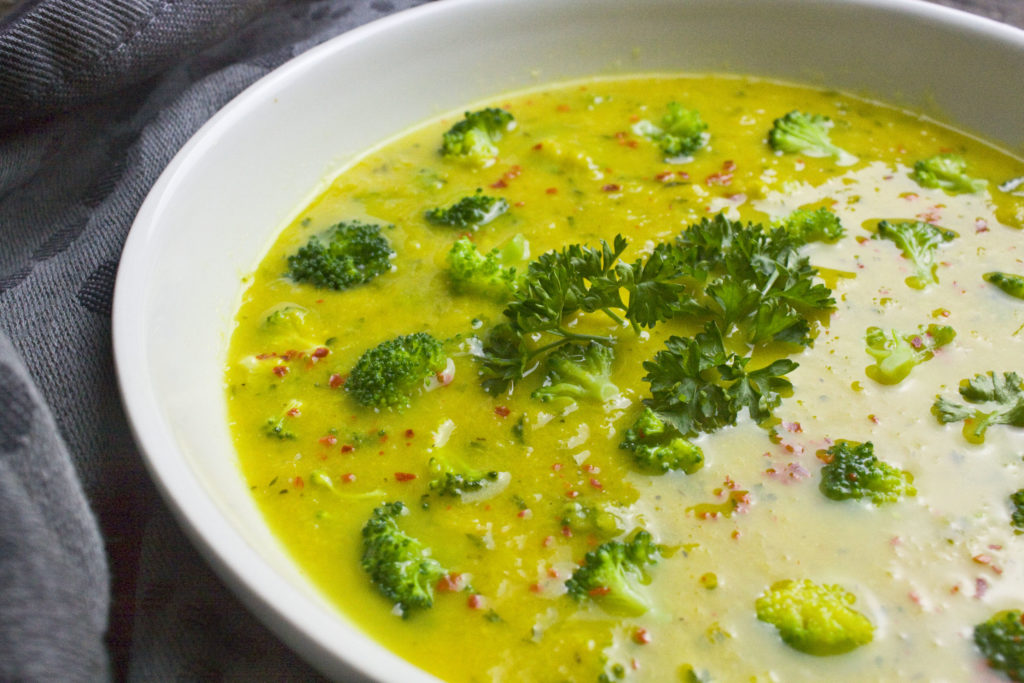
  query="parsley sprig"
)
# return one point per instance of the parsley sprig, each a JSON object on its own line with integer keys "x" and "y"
{"x": 991, "y": 398}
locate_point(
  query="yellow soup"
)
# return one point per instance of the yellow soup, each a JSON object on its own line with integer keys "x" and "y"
{"x": 889, "y": 573}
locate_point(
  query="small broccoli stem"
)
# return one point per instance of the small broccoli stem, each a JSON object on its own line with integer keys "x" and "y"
{"x": 613, "y": 316}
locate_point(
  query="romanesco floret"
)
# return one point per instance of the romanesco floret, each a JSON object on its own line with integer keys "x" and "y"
{"x": 469, "y": 213}
{"x": 854, "y": 472}
{"x": 812, "y": 618}
{"x": 657, "y": 447}
{"x": 474, "y": 137}
{"x": 1001, "y": 640}
{"x": 614, "y": 573}
{"x": 388, "y": 375}
{"x": 579, "y": 372}
{"x": 896, "y": 354}
{"x": 948, "y": 172}
{"x": 399, "y": 565}
{"x": 351, "y": 253}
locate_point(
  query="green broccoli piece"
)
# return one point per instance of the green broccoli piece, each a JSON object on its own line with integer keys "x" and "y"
{"x": 816, "y": 619}
{"x": 1001, "y": 640}
{"x": 658, "y": 447}
{"x": 918, "y": 241}
{"x": 1009, "y": 283}
{"x": 489, "y": 274}
{"x": 278, "y": 425}
{"x": 681, "y": 131}
{"x": 897, "y": 354}
{"x": 452, "y": 477}
{"x": 1017, "y": 510}
{"x": 469, "y": 212}
{"x": 855, "y": 472}
{"x": 352, "y": 253}
{"x": 288, "y": 326}
{"x": 473, "y": 137}
{"x": 807, "y": 134}
{"x": 578, "y": 371}
{"x": 948, "y": 172}
{"x": 600, "y": 520}
{"x": 804, "y": 226}
{"x": 387, "y": 375}
{"x": 399, "y": 565}
{"x": 614, "y": 573}
{"x": 1000, "y": 400}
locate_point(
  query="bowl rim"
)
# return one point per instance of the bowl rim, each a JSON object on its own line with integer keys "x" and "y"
{"x": 284, "y": 609}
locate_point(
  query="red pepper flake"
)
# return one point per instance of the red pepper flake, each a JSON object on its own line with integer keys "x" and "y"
{"x": 557, "y": 467}
{"x": 641, "y": 636}
{"x": 451, "y": 583}
{"x": 298, "y": 483}
{"x": 294, "y": 412}
{"x": 567, "y": 531}
{"x": 572, "y": 494}
{"x": 873, "y": 418}
{"x": 722, "y": 179}
{"x": 611, "y": 187}
{"x": 664, "y": 176}
{"x": 336, "y": 381}
{"x": 405, "y": 476}
{"x": 519, "y": 205}
{"x": 594, "y": 469}
{"x": 980, "y": 225}
{"x": 383, "y": 438}
{"x": 982, "y": 559}
{"x": 917, "y": 342}
{"x": 329, "y": 440}
{"x": 320, "y": 352}
{"x": 264, "y": 356}
{"x": 501, "y": 411}
{"x": 735, "y": 535}
{"x": 535, "y": 588}
{"x": 539, "y": 146}
{"x": 980, "y": 587}
{"x": 599, "y": 591}
{"x": 792, "y": 427}
{"x": 552, "y": 190}
{"x": 499, "y": 184}
{"x": 409, "y": 433}
{"x": 525, "y": 514}
{"x": 729, "y": 166}
{"x": 552, "y": 573}
{"x": 280, "y": 370}
{"x": 995, "y": 546}
{"x": 563, "y": 107}
{"x": 548, "y": 540}
{"x": 347, "y": 448}
{"x": 914, "y": 597}
{"x": 348, "y": 478}
{"x": 596, "y": 484}
{"x": 475, "y": 601}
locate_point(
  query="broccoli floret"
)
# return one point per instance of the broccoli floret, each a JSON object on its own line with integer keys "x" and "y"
{"x": 999, "y": 400}
{"x": 918, "y": 241}
{"x": 491, "y": 274}
{"x": 820, "y": 225}
{"x": 658, "y": 447}
{"x": 681, "y": 131}
{"x": 351, "y": 253}
{"x": 577, "y": 372}
{"x": 807, "y": 134}
{"x": 1001, "y": 640}
{"x": 948, "y": 172}
{"x": 816, "y": 619}
{"x": 1009, "y": 283}
{"x": 390, "y": 373}
{"x": 452, "y": 477}
{"x": 600, "y": 520}
{"x": 1017, "y": 510}
{"x": 399, "y": 566}
{"x": 855, "y": 472}
{"x": 897, "y": 354}
{"x": 473, "y": 137}
{"x": 278, "y": 425}
{"x": 614, "y": 573}
{"x": 469, "y": 212}
{"x": 288, "y": 326}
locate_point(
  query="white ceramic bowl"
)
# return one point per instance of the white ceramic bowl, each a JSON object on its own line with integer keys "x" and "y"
{"x": 219, "y": 204}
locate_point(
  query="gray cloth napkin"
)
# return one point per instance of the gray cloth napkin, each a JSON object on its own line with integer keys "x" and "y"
{"x": 96, "y": 581}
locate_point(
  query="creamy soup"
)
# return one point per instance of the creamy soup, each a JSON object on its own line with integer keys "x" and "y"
{"x": 919, "y": 560}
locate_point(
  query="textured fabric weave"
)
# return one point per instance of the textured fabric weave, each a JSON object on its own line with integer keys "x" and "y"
{"x": 96, "y": 96}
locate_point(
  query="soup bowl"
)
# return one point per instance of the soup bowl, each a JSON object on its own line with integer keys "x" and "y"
{"x": 266, "y": 154}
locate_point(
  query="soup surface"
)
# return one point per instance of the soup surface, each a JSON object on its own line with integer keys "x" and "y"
{"x": 584, "y": 162}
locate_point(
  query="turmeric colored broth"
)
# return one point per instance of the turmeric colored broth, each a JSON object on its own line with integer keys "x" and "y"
{"x": 924, "y": 570}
